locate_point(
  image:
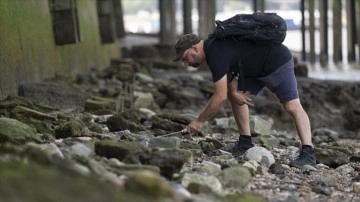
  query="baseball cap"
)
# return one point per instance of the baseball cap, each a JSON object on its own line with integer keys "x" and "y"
{"x": 185, "y": 42}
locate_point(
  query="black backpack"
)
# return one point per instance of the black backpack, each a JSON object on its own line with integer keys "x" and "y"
{"x": 261, "y": 28}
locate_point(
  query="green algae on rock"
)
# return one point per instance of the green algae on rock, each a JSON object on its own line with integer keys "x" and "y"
{"x": 12, "y": 130}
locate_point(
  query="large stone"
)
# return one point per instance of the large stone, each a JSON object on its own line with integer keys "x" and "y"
{"x": 321, "y": 135}
{"x": 356, "y": 187}
{"x": 170, "y": 161}
{"x": 268, "y": 141}
{"x": 144, "y": 100}
{"x": 133, "y": 115}
{"x": 237, "y": 177}
{"x": 165, "y": 124}
{"x": 12, "y": 130}
{"x": 79, "y": 150}
{"x": 165, "y": 142}
{"x": 225, "y": 122}
{"x": 333, "y": 156}
{"x": 69, "y": 129}
{"x": 260, "y": 126}
{"x": 41, "y": 126}
{"x": 63, "y": 94}
{"x": 129, "y": 168}
{"x": 24, "y": 113}
{"x": 209, "y": 168}
{"x": 33, "y": 183}
{"x": 209, "y": 145}
{"x": 252, "y": 165}
{"x": 127, "y": 120}
{"x": 244, "y": 197}
{"x": 205, "y": 180}
{"x": 149, "y": 184}
{"x": 119, "y": 150}
{"x": 95, "y": 104}
{"x": 225, "y": 160}
{"x": 125, "y": 72}
{"x": 176, "y": 117}
{"x": 145, "y": 78}
{"x": 13, "y": 101}
{"x": 260, "y": 155}
{"x": 118, "y": 123}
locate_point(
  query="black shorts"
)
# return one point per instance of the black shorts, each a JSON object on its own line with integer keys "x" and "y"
{"x": 282, "y": 82}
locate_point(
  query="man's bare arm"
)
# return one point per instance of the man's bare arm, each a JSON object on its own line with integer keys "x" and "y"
{"x": 214, "y": 104}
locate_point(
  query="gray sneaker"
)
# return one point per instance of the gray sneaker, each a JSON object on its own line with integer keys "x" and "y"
{"x": 306, "y": 157}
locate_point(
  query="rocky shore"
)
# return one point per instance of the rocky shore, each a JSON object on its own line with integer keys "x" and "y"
{"x": 104, "y": 137}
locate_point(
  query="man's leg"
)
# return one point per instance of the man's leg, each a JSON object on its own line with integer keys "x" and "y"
{"x": 241, "y": 112}
{"x": 301, "y": 120}
{"x": 302, "y": 124}
{"x": 241, "y": 115}
{"x": 283, "y": 83}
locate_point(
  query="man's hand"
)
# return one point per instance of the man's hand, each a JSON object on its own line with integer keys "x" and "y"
{"x": 243, "y": 98}
{"x": 194, "y": 126}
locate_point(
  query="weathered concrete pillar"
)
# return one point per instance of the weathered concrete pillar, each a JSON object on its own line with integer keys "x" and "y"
{"x": 303, "y": 31}
{"x": 119, "y": 20}
{"x": 187, "y": 7}
{"x": 324, "y": 55}
{"x": 259, "y": 5}
{"x": 337, "y": 29}
{"x": 312, "y": 30}
{"x": 351, "y": 30}
{"x": 358, "y": 28}
{"x": 206, "y": 17}
{"x": 167, "y": 22}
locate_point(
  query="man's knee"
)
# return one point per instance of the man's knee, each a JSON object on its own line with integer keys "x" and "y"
{"x": 293, "y": 106}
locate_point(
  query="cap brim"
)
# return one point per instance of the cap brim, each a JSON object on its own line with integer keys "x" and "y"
{"x": 178, "y": 56}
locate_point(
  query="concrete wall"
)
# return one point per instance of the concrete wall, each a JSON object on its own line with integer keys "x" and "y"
{"x": 28, "y": 52}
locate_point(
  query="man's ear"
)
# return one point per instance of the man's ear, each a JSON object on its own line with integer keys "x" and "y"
{"x": 195, "y": 48}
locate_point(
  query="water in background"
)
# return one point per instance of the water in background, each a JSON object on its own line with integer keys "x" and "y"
{"x": 148, "y": 22}
{"x": 340, "y": 71}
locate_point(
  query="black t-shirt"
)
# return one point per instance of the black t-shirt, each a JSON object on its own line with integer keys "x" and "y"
{"x": 223, "y": 56}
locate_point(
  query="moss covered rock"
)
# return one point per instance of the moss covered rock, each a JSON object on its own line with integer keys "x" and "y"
{"x": 12, "y": 130}
{"x": 33, "y": 183}
{"x": 118, "y": 123}
{"x": 98, "y": 103}
{"x": 244, "y": 197}
{"x": 149, "y": 184}
{"x": 69, "y": 129}
{"x": 119, "y": 150}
